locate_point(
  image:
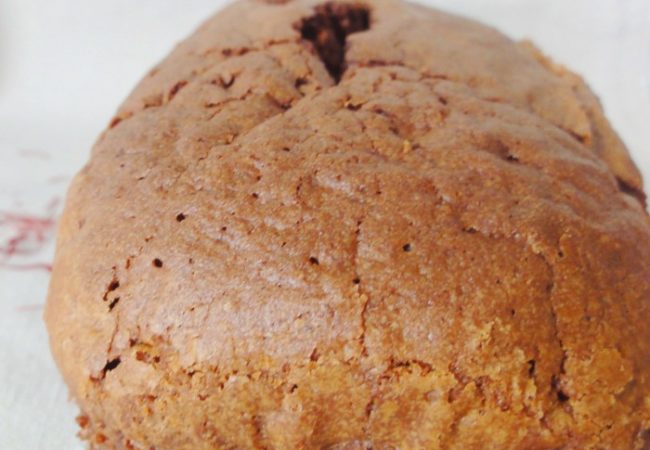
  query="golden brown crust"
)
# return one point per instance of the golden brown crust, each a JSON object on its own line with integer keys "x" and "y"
{"x": 434, "y": 252}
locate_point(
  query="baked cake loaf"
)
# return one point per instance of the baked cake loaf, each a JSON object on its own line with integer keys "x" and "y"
{"x": 355, "y": 226}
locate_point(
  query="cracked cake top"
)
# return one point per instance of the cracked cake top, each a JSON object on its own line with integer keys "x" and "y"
{"x": 355, "y": 225}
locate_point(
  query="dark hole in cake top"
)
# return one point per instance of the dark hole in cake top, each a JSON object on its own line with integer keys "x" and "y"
{"x": 176, "y": 88}
{"x": 313, "y": 260}
{"x": 112, "y": 364}
{"x": 562, "y": 397}
{"x": 300, "y": 81}
{"x": 328, "y": 30}
{"x": 113, "y": 304}
{"x": 407, "y": 247}
{"x": 531, "y": 367}
{"x": 180, "y": 217}
{"x": 112, "y": 286}
{"x": 628, "y": 189}
{"x": 157, "y": 263}
{"x": 555, "y": 385}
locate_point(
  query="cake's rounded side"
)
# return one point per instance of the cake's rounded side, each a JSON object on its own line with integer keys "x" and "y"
{"x": 434, "y": 252}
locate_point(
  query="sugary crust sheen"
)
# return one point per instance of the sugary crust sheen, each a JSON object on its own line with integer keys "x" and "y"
{"x": 444, "y": 249}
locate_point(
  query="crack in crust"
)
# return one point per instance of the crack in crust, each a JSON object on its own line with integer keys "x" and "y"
{"x": 366, "y": 122}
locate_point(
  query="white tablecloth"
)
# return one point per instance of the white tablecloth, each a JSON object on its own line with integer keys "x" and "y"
{"x": 66, "y": 64}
